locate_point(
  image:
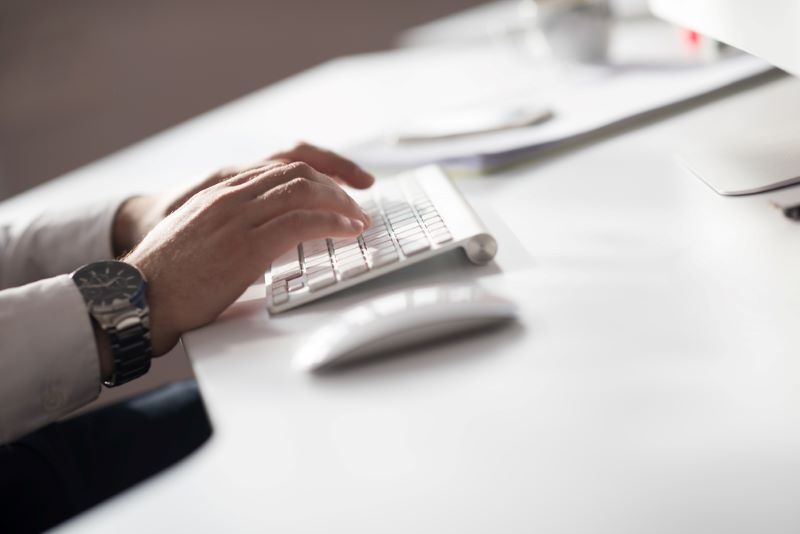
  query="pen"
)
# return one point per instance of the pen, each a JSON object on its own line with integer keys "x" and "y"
{"x": 792, "y": 212}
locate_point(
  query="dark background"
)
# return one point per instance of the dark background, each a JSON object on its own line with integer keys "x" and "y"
{"x": 82, "y": 78}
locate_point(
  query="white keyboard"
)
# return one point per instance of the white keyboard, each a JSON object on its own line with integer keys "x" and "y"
{"x": 415, "y": 215}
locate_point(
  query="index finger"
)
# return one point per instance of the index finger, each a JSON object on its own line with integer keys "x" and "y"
{"x": 329, "y": 163}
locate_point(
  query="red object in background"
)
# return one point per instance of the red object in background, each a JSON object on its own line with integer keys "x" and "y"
{"x": 692, "y": 38}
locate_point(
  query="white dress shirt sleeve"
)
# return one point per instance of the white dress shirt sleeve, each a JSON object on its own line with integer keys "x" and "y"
{"x": 48, "y": 358}
{"x": 55, "y": 243}
{"x": 49, "y": 364}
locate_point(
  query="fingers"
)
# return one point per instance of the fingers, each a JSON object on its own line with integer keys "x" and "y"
{"x": 328, "y": 163}
{"x": 277, "y": 188}
{"x": 304, "y": 194}
{"x": 286, "y": 231}
{"x": 227, "y": 176}
{"x": 260, "y": 183}
{"x": 246, "y": 175}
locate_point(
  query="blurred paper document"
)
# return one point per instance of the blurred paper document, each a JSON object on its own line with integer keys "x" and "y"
{"x": 407, "y": 85}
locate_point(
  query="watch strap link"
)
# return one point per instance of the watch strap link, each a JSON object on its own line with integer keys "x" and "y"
{"x": 132, "y": 352}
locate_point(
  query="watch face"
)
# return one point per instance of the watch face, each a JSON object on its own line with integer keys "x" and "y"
{"x": 101, "y": 283}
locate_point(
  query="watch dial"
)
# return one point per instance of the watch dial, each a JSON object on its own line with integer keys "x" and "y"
{"x": 104, "y": 282}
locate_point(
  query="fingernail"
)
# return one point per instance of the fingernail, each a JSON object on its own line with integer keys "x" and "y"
{"x": 366, "y": 217}
{"x": 357, "y": 225}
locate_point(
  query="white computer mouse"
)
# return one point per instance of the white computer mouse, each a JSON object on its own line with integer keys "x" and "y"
{"x": 400, "y": 320}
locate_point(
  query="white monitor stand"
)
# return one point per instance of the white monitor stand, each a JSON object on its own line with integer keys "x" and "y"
{"x": 746, "y": 162}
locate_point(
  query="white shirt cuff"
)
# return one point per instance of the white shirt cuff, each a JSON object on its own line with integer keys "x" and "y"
{"x": 48, "y": 363}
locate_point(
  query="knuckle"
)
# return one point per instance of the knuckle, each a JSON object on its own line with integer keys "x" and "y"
{"x": 207, "y": 195}
{"x": 302, "y": 167}
{"x": 284, "y": 167}
{"x": 300, "y": 145}
{"x": 216, "y": 176}
{"x": 225, "y": 173}
{"x": 295, "y": 220}
{"x": 240, "y": 176}
{"x": 232, "y": 180}
{"x": 221, "y": 197}
{"x": 345, "y": 204}
{"x": 299, "y": 186}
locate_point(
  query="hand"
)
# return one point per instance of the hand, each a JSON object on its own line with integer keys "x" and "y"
{"x": 202, "y": 256}
{"x": 137, "y": 216}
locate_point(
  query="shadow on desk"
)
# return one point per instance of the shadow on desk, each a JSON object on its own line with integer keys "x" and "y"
{"x": 70, "y": 466}
{"x": 480, "y": 343}
{"x": 171, "y": 368}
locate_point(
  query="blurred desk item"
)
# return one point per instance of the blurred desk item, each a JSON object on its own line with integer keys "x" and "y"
{"x": 474, "y": 120}
{"x": 650, "y": 387}
{"x": 747, "y": 160}
{"x": 577, "y": 31}
{"x": 649, "y": 69}
{"x": 787, "y": 200}
{"x": 759, "y": 158}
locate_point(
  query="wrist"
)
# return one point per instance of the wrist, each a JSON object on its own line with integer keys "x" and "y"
{"x": 130, "y": 224}
{"x": 163, "y": 335}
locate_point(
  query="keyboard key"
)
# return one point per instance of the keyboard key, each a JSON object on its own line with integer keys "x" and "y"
{"x": 376, "y": 240}
{"x": 438, "y": 227}
{"x": 279, "y": 293}
{"x": 286, "y": 266}
{"x": 375, "y": 229}
{"x": 383, "y": 230}
{"x": 347, "y": 251}
{"x": 379, "y": 258}
{"x": 406, "y": 240}
{"x": 384, "y": 245}
{"x": 396, "y": 209}
{"x": 443, "y": 236}
{"x": 409, "y": 233}
{"x": 410, "y": 248}
{"x": 431, "y": 218}
{"x": 313, "y": 247}
{"x": 410, "y": 219}
{"x": 321, "y": 278}
{"x": 295, "y": 284}
{"x": 351, "y": 255}
{"x": 393, "y": 205}
{"x": 349, "y": 269}
{"x": 349, "y": 259}
{"x": 408, "y": 228}
{"x": 316, "y": 255}
{"x": 323, "y": 261}
{"x": 400, "y": 211}
{"x": 435, "y": 227}
{"x": 395, "y": 223}
{"x": 343, "y": 242}
{"x": 278, "y": 285}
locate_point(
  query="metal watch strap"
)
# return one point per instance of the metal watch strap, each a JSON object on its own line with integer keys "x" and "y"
{"x": 132, "y": 352}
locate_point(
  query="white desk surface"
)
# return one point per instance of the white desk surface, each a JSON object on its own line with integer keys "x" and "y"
{"x": 652, "y": 384}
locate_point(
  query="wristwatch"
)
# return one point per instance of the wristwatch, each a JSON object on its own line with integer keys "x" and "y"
{"x": 115, "y": 293}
